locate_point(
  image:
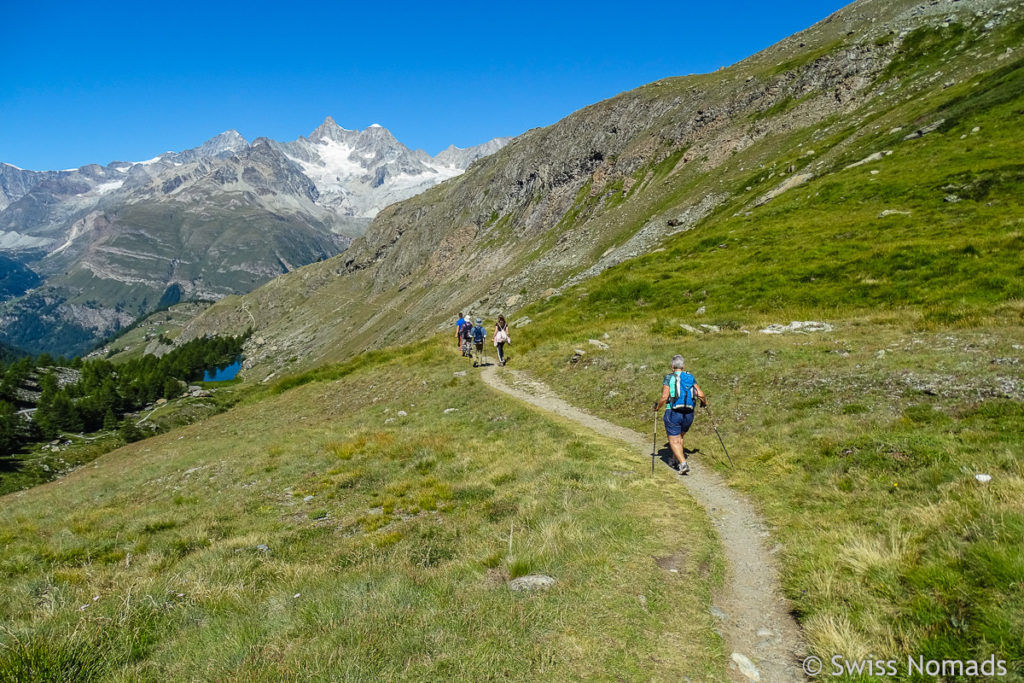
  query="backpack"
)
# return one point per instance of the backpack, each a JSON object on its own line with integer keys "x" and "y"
{"x": 682, "y": 397}
{"x": 479, "y": 334}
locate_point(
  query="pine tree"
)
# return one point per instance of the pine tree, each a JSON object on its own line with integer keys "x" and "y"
{"x": 172, "y": 388}
{"x": 129, "y": 431}
{"x": 10, "y": 429}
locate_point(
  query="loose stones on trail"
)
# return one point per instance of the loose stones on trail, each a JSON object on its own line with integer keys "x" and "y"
{"x": 746, "y": 666}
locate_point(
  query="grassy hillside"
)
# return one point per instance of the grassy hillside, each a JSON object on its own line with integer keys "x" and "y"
{"x": 861, "y": 444}
{"x": 932, "y": 229}
{"x": 321, "y": 533}
{"x": 146, "y": 333}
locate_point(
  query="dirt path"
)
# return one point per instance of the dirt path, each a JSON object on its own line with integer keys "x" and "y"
{"x": 756, "y": 623}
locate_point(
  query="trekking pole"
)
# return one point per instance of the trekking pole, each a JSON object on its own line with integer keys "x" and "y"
{"x": 654, "y": 443}
{"x": 715, "y": 427}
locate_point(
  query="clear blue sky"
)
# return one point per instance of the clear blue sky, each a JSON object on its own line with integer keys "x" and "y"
{"x": 87, "y": 82}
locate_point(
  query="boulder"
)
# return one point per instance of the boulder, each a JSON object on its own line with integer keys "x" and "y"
{"x": 798, "y": 326}
{"x": 531, "y": 582}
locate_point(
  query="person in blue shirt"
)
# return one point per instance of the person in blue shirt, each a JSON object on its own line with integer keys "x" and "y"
{"x": 458, "y": 330}
{"x": 679, "y": 395}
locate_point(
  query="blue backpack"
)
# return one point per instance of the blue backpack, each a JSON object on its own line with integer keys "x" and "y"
{"x": 479, "y": 334}
{"x": 682, "y": 397}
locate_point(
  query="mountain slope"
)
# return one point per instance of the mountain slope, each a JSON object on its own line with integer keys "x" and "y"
{"x": 15, "y": 278}
{"x": 560, "y": 204}
{"x": 332, "y": 544}
{"x": 115, "y": 242}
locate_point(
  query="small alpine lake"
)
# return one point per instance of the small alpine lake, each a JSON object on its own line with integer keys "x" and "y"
{"x": 224, "y": 373}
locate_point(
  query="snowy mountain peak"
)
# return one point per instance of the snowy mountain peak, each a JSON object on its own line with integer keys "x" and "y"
{"x": 357, "y": 173}
{"x": 459, "y": 157}
{"x": 328, "y": 130}
{"x": 230, "y": 136}
{"x": 228, "y": 141}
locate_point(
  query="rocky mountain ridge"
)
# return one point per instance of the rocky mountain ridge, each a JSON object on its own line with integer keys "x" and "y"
{"x": 114, "y": 242}
{"x": 614, "y": 180}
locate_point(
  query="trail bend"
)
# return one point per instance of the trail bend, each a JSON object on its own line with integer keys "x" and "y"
{"x": 757, "y": 622}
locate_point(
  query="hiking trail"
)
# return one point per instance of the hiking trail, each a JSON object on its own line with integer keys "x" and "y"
{"x": 756, "y": 623}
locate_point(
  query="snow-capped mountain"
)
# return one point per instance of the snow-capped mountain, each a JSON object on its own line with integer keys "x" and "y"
{"x": 210, "y": 221}
{"x": 358, "y": 173}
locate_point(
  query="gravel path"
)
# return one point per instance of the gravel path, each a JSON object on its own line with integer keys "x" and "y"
{"x": 755, "y": 620}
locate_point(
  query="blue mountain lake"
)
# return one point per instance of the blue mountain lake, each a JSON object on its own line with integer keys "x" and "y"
{"x": 225, "y": 373}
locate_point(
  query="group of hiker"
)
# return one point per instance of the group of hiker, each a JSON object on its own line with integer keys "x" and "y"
{"x": 680, "y": 393}
{"x": 471, "y": 336}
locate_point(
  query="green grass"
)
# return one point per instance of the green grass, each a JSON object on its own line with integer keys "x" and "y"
{"x": 42, "y": 464}
{"x": 859, "y": 445}
{"x": 825, "y": 249}
{"x": 924, "y": 49}
{"x": 804, "y": 58}
{"x": 396, "y": 567}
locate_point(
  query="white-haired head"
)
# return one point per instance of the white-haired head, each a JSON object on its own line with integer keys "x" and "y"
{"x": 677, "y": 362}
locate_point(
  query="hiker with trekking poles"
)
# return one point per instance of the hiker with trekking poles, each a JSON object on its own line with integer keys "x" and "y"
{"x": 479, "y": 336}
{"x": 679, "y": 396}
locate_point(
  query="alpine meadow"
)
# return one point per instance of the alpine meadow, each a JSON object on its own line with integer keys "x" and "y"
{"x": 830, "y": 232}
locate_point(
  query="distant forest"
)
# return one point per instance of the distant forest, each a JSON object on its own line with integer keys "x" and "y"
{"x": 15, "y": 278}
{"x": 102, "y": 392}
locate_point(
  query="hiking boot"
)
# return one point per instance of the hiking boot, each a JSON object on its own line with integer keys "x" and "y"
{"x": 683, "y": 468}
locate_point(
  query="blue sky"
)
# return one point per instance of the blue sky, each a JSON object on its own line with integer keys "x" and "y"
{"x": 98, "y": 82}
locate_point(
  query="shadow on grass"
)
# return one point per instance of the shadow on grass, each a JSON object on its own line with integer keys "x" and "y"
{"x": 11, "y": 464}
